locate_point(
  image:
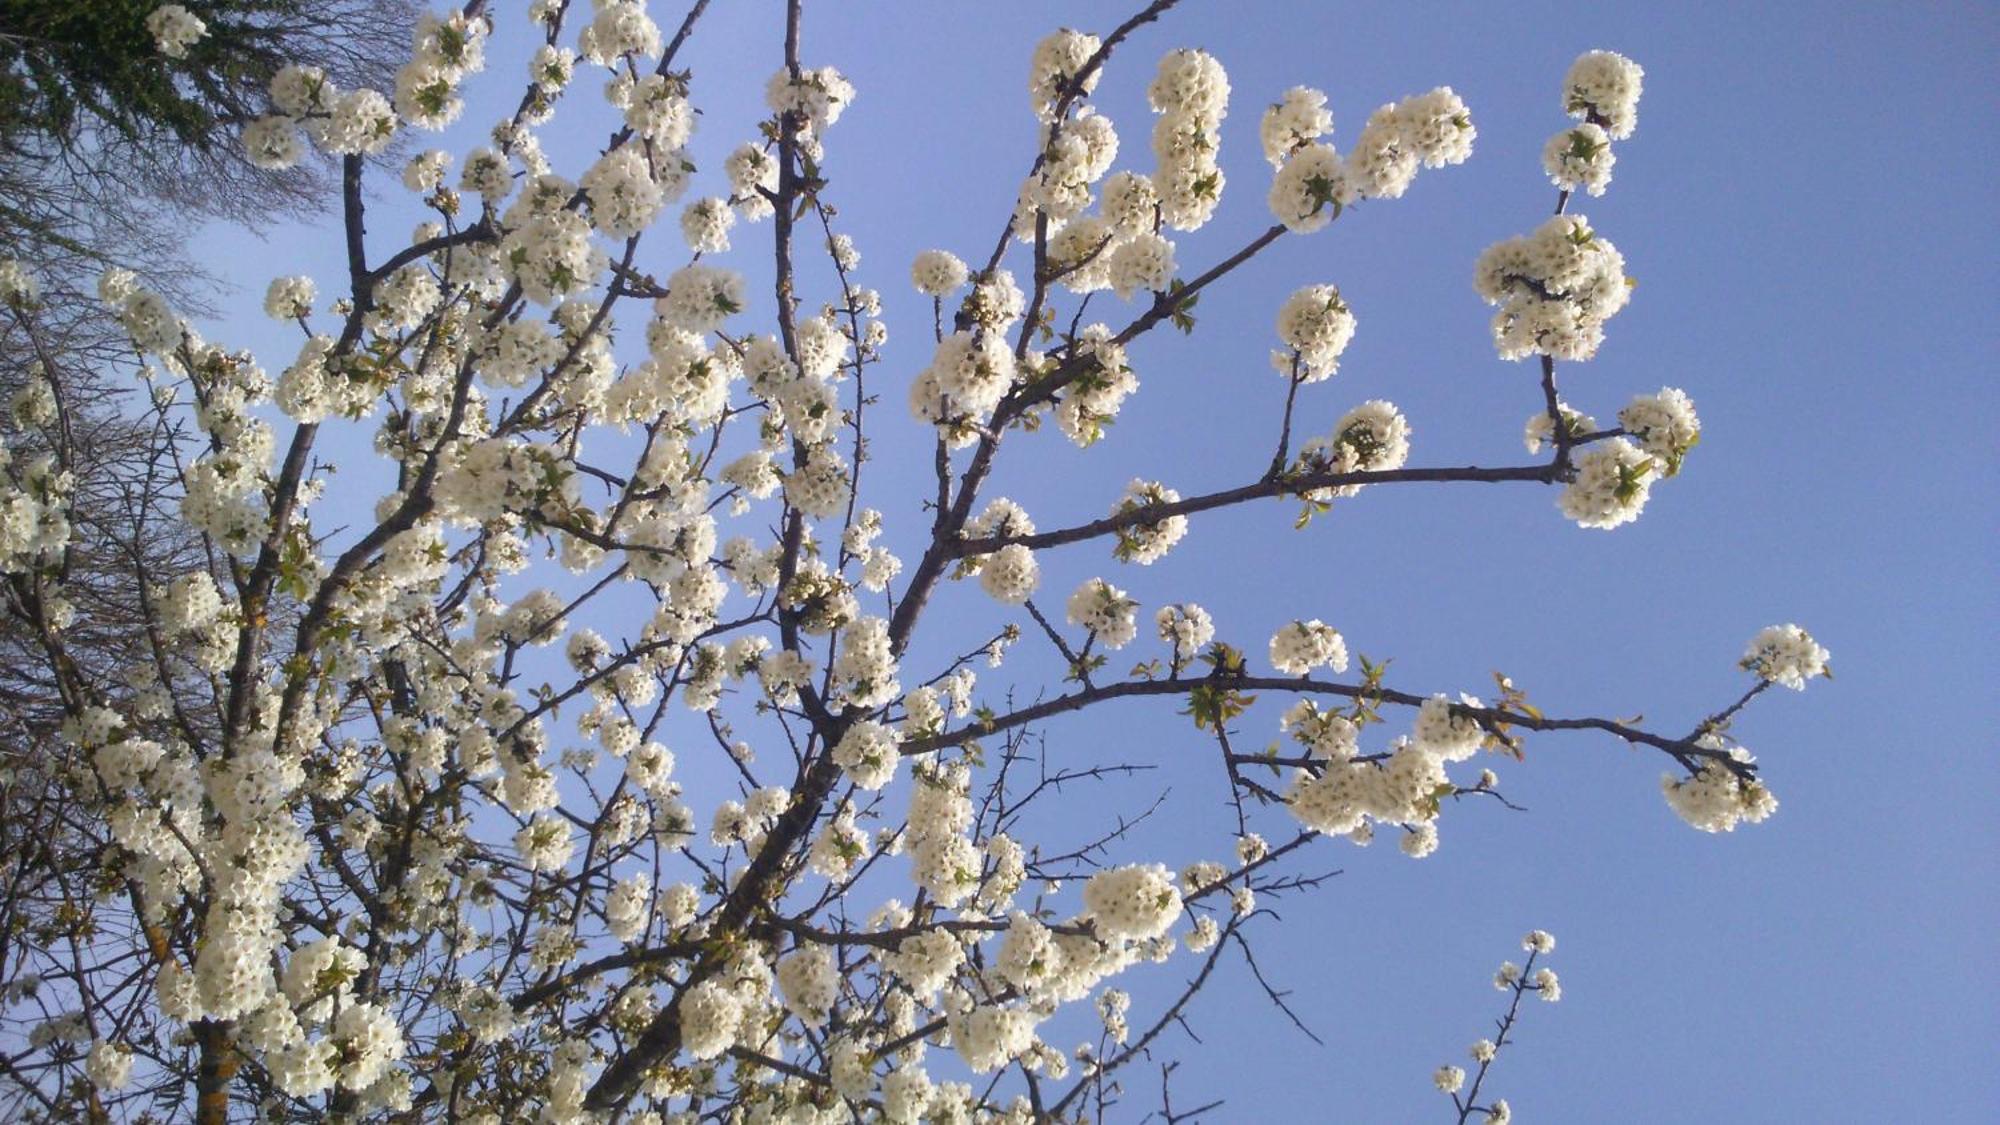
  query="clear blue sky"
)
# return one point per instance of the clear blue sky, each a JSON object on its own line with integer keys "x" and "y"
{"x": 1807, "y": 207}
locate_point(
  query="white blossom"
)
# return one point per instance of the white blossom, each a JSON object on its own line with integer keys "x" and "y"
{"x": 1786, "y": 654}
{"x": 1603, "y": 87}
{"x": 1613, "y": 481}
{"x": 175, "y": 29}
{"x": 1316, "y": 325}
{"x": 937, "y": 273}
{"x": 1134, "y": 902}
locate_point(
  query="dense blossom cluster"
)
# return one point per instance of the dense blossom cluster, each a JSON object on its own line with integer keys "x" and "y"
{"x": 1716, "y": 798}
{"x": 1315, "y": 325}
{"x": 1580, "y": 159}
{"x": 1315, "y": 183}
{"x": 175, "y": 29}
{"x": 1603, "y": 87}
{"x": 1555, "y": 289}
{"x": 1191, "y": 94}
{"x": 1301, "y": 646}
{"x": 1054, "y": 71}
{"x": 1105, "y": 612}
{"x": 1133, "y": 902}
{"x": 1148, "y": 541}
{"x": 1613, "y": 481}
{"x": 1187, "y": 628}
{"x": 1665, "y": 426}
{"x": 1786, "y": 654}
{"x": 1372, "y": 437}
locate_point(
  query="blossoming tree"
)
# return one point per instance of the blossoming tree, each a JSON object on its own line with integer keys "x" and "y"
{"x": 383, "y": 819}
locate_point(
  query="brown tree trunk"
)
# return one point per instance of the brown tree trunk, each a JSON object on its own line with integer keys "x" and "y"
{"x": 212, "y": 1074}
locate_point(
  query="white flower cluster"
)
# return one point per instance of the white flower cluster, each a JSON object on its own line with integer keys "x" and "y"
{"x": 1135, "y": 902}
{"x": 810, "y": 981}
{"x": 1786, "y": 654}
{"x": 817, "y": 97}
{"x": 705, "y": 224}
{"x": 262, "y": 847}
{"x": 548, "y": 252}
{"x": 865, "y": 670}
{"x": 1324, "y": 734}
{"x": 624, "y": 195}
{"x": 1106, "y": 611}
{"x": 19, "y": 287}
{"x": 1540, "y": 429}
{"x": 109, "y": 1066}
{"x": 709, "y": 1018}
{"x": 938, "y": 273}
{"x": 425, "y": 171}
{"x": 1057, "y": 60}
{"x": 1445, "y": 728}
{"x": 1554, "y": 288}
{"x": 839, "y": 848}
{"x": 752, "y": 173}
{"x": 1292, "y": 122}
{"x": 1311, "y": 189}
{"x": 34, "y": 405}
{"x": 159, "y": 831}
{"x": 1613, "y": 481}
{"x": 545, "y": 843}
{"x": 868, "y": 753}
{"x": 1580, "y": 159}
{"x": 1147, "y": 543}
{"x": 968, "y": 376}
{"x": 1340, "y": 796}
{"x": 1010, "y": 574}
{"x": 1300, "y": 646}
{"x": 1190, "y": 92}
{"x": 1372, "y": 437}
{"x": 657, "y": 109}
{"x": 621, "y": 30}
{"x": 363, "y": 122}
{"x": 628, "y": 907}
{"x": 1664, "y": 424}
{"x": 34, "y": 512}
{"x": 1432, "y": 129}
{"x": 1316, "y": 325}
{"x": 1603, "y": 88}
{"x": 145, "y": 315}
{"x": 926, "y": 961}
{"x": 289, "y": 298}
{"x": 1077, "y": 155}
{"x": 1314, "y": 184}
{"x": 700, "y": 298}
{"x": 1715, "y": 798}
{"x": 193, "y": 604}
{"x": 943, "y": 860}
{"x": 925, "y": 709}
{"x": 988, "y": 1038}
{"x": 1143, "y": 262}
{"x": 1187, "y": 628}
{"x": 445, "y": 51}
{"x": 174, "y": 29}
{"x": 1092, "y": 400}
{"x": 486, "y": 1014}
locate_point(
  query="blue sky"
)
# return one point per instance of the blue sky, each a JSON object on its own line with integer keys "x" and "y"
{"x": 1807, "y": 209}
